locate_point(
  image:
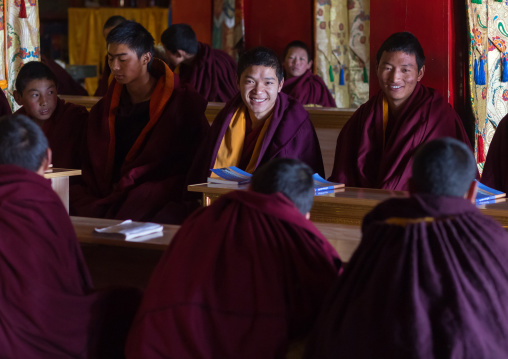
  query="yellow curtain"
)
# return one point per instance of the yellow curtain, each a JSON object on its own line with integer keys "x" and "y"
{"x": 20, "y": 41}
{"x": 87, "y": 45}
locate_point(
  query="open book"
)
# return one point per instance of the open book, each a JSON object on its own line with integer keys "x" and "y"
{"x": 129, "y": 230}
{"x": 235, "y": 176}
{"x": 486, "y": 194}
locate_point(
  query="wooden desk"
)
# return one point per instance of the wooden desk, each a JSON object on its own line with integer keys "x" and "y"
{"x": 87, "y": 101}
{"x": 60, "y": 183}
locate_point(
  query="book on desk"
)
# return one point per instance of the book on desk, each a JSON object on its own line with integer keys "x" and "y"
{"x": 233, "y": 176}
{"x": 486, "y": 194}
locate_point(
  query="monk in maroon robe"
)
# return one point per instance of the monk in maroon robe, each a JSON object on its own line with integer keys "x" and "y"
{"x": 141, "y": 138}
{"x": 495, "y": 170}
{"x": 376, "y": 146}
{"x": 253, "y": 288}
{"x": 5, "y": 106}
{"x": 299, "y": 81}
{"x": 210, "y": 71}
{"x": 260, "y": 123}
{"x": 63, "y": 123}
{"x": 430, "y": 277}
{"x": 48, "y": 306}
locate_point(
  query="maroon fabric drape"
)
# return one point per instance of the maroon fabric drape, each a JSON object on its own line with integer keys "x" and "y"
{"x": 241, "y": 279}
{"x": 5, "y": 107}
{"x": 212, "y": 74}
{"x": 361, "y": 160}
{"x": 66, "y": 84}
{"x": 48, "y": 309}
{"x": 65, "y": 130}
{"x": 435, "y": 289}
{"x": 309, "y": 89}
{"x": 155, "y": 176}
{"x": 495, "y": 170}
{"x": 290, "y": 134}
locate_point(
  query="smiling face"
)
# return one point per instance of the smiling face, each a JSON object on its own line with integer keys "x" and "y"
{"x": 296, "y": 62}
{"x": 398, "y": 75}
{"x": 259, "y": 88}
{"x": 125, "y": 65}
{"x": 38, "y": 99}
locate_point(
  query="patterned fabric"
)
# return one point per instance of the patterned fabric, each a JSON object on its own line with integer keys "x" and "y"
{"x": 488, "y": 32}
{"x": 342, "y": 49}
{"x": 22, "y": 43}
{"x": 228, "y": 26}
{"x": 85, "y": 32}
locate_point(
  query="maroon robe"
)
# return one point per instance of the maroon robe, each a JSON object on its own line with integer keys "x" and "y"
{"x": 66, "y": 84}
{"x": 48, "y": 308}
{"x": 103, "y": 85}
{"x": 241, "y": 279}
{"x": 290, "y": 134}
{"x": 155, "y": 175}
{"x": 495, "y": 170}
{"x": 309, "y": 89}
{"x": 64, "y": 130}
{"x": 423, "y": 290}
{"x": 5, "y": 106}
{"x": 361, "y": 160}
{"x": 212, "y": 73}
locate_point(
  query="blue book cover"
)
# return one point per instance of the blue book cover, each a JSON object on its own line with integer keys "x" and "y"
{"x": 230, "y": 175}
{"x": 486, "y": 194}
{"x": 321, "y": 185}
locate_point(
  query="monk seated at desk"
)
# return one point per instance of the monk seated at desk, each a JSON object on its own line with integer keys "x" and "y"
{"x": 430, "y": 277}
{"x": 376, "y": 146}
{"x": 210, "y": 71}
{"x": 63, "y": 122}
{"x": 495, "y": 170}
{"x": 141, "y": 137}
{"x": 260, "y": 123}
{"x": 49, "y": 308}
{"x": 105, "y": 79}
{"x": 242, "y": 278}
{"x": 299, "y": 81}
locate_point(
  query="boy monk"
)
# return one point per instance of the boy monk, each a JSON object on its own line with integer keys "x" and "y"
{"x": 141, "y": 137}
{"x": 210, "y": 71}
{"x": 242, "y": 278}
{"x": 62, "y": 122}
{"x": 49, "y": 308}
{"x": 299, "y": 81}
{"x": 430, "y": 277}
{"x": 376, "y": 146}
{"x": 260, "y": 123}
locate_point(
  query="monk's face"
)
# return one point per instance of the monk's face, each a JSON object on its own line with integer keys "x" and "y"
{"x": 259, "y": 87}
{"x": 125, "y": 65}
{"x": 39, "y": 99}
{"x": 296, "y": 62}
{"x": 398, "y": 75}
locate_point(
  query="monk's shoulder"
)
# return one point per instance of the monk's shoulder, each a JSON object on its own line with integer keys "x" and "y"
{"x": 187, "y": 99}
{"x": 74, "y": 112}
{"x": 293, "y": 110}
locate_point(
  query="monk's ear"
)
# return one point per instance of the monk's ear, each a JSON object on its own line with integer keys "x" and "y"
{"x": 147, "y": 57}
{"x": 309, "y": 65}
{"x": 421, "y": 72}
{"x": 46, "y": 162}
{"x": 281, "y": 84}
{"x": 307, "y": 215}
{"x": 17, "y": 97}
{"x": 471, "y": 192}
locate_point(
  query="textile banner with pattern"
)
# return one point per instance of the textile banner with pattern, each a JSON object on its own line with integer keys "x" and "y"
{"x": 342, "y": 40}
{"x": 228, "y": 27}
{"x": 20, "y": 41}
{"x": 488, "y": 33}
{"x": 87, "y": 45}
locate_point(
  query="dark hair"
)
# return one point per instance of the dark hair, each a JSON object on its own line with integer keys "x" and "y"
{"x": 299, "y": 44}
{"x": 443, "y": 167}
{"x": 288, "y": 176}
{"x": 22, "y": 142}
{"x": 33, "y": 70}
{"x": 134, "y": 35}
{"x": 260, "y": 56}
{"x": 114, "y": 21}
{"x": 180, "y": 37}
{"x": 405, "y": 42}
